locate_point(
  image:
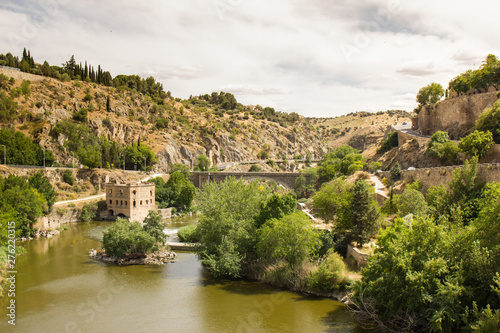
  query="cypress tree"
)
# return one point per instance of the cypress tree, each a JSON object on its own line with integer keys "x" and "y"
{"x": 364, "y": 214}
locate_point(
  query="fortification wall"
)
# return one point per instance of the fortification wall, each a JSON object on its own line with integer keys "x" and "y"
{"x": 488, "y": 172}
{"x": 456, "y": 116}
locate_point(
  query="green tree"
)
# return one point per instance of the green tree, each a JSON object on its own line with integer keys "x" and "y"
{"x": 441, "y": 147}
{"x": 154, "y": 226}
{"x": 226, "y": 226}
{"x": 333, "y": 202}
{"x": 125, "y": 237}
{"x": 43, "y": 186}
{"x": 23, "y": 201}
{"x": 203, "y": 162}
{"x": 411, "y": 202}
{"x": 396, "y": 171}
{"x": 489, "y": 120}
{"x": 439, "y": 201}
{"x": 186, "y": 196}
{"x": 388, "y": 143}
{"x": 277, "y": 206}
{"x": 291, "y": 238}
{"x": 364, "y": 214}
{"x": 476, "y": 144}
{"x": 182, "y": 168}
{"x": 430, "y": 94}
{"x": 305, "y": 184}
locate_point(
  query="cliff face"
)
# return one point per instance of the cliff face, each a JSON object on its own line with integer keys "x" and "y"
{"x": 188, "y": 129}
{"x": 456, "y": 116}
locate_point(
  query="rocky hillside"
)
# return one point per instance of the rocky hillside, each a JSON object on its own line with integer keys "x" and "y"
{"x": 180, "y": 130}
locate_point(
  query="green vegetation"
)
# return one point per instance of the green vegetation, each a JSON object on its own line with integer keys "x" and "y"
{"x": 177, "y": 192}
{"x": 441, "y": 147}
{"x": 203, "y": 163}
{"x": 344, "y": 160}
{"x": 489, "y": 120}
{"x": 429, "y": 94}
{"x": 93, "y": 151}
{"x": 305, "y": 184}
{"x": 70, "y": 70}
{"x": 247, "y": 231}
{"x": 437, "y": 271}
{"x": 476, "y": 144}
{"x": 189, "y": 234}
{"x": 23, "y": 202}
{"x": 255, "y": 168}
{"x": 388, "y": 143}
{"x": 21, "y": 150}
{"x": 481, "y": 79}
{"x": 125, "y": 237}
{"x": 291, "y": 239}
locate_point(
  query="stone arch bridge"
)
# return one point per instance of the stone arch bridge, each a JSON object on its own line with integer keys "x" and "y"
{"x": 286, "y": 179}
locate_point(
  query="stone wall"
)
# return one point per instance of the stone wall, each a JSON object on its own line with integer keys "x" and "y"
{"x": 488, "y": 172}
{"x": 456, "y": 116}
{"x": 359, "y": 257}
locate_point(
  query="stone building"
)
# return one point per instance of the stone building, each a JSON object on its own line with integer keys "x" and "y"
{"x": 132, "y": 201}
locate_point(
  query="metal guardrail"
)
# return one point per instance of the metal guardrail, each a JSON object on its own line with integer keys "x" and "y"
{"x": 13, "y": 68}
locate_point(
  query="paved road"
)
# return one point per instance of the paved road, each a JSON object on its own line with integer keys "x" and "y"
{"x": 98, "y": 196}
{"x": 407, "y": 129}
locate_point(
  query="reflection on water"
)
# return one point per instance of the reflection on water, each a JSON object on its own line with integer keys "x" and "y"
{"x": 60, "y": 289}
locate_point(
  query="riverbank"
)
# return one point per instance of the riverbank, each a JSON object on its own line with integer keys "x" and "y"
{"x": 156, "y": 258}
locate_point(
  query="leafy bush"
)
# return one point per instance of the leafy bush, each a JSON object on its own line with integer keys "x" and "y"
{"x": 89, "y": 212}
{"x": 255, "y": 168}
{"x": 68, "y": 177}
{"x": 388, "y": 143}
{"x": 125, "y": 237}
{"x": 81, "y": 115}
{"x": 106, "y": 122}
{"x": 291, "y": 238}
{"x": 330, "y": 275}
{"x": 396, "y": 171}
{"x": 8, "y": 108}
{"x": 189, "y": 234}
{"x": 476, "y": 144}
{"x": 263, "y": 155}
{"x": 227, "y": 228}
{"x": 489, "y": 120}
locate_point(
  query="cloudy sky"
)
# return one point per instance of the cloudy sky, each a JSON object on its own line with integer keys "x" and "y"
{"x": 317, "y": 58}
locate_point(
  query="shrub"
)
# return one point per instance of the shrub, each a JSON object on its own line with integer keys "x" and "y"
{"x": 88, "y": 97}
{"x": 263, "y": 155}
{"x": 330, "y": 275}
{"x": 189, "y": 234}
{"x": 89, "y": 212}
{"x": 125, "y": 237}
{"x": 68, "y": 177}
{"x": 255, "y": 168}
{"x": 106, "y": 122}
{"x": 388, "y": 143}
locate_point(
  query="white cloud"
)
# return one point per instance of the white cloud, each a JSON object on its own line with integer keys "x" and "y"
{"x": 290, "y": 55}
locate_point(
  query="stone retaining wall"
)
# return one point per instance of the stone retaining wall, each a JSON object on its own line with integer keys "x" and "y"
{"x": 488, "y": 172}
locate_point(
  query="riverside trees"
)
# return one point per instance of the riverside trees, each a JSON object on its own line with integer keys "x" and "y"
{"x": 438, "y": 272}
{"x": 245, "y": 230}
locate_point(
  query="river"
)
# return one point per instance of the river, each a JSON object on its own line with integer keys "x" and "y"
{"x": 60, "y": 289}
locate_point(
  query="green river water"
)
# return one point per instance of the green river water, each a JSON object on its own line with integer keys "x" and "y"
{"x": 60, "y": 289}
